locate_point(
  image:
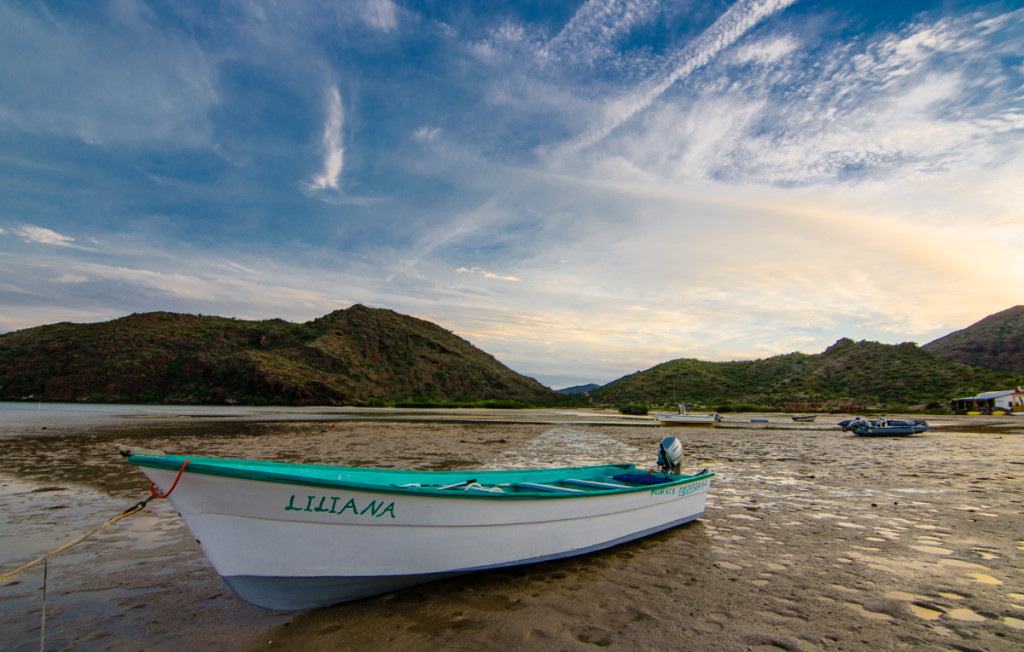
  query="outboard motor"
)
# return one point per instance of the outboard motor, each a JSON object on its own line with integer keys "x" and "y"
{"x": 670, "y": 456}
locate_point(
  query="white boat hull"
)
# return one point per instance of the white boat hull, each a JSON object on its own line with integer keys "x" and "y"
{"x": 684, "y": 418}
{"x": 692, "y": 421}
{"x": 291, "y": 546}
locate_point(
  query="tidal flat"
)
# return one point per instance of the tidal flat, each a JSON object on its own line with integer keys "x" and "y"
{"x": 813, "y": 539}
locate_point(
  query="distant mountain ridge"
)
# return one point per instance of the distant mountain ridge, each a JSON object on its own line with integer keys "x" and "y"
{"x": 579, "y": 389}
{"x": 995, "y": 342}
{"x": 358, "y": 355}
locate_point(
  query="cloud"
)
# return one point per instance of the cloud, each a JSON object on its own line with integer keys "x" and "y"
{"x": 594, "y": 30}
{"x": 133, "y": 277}
{"x": 334, "y": 149}
{"x": 486, "y": 274}
{"x": 43, "y": 235}
{"x": 72, "y": 278}
{"x": 726, "y": 30}
{"x": 380, "y": 14}
{"x": 426, "y": 134}
{"x": 767, "y": 51}
{"x": 118, "y": 80}
{"x": 934, "y": 96}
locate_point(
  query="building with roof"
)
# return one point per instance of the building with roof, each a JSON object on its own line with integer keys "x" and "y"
{"x": 1010, "y": 401}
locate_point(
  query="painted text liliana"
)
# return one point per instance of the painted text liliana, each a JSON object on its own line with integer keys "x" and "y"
{"x": 681, "y": 490}
{"x": 329, "y": 504}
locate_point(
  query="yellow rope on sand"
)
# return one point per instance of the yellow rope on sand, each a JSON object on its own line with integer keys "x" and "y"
{"x": 137, "y": 507}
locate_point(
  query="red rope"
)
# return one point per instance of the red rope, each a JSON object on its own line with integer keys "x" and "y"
{"x": 152, "y": 485}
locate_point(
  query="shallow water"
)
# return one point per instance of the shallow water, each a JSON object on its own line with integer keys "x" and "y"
{"x": 813, "y": 539}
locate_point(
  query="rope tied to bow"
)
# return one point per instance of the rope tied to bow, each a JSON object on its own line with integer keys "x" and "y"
{"x": 157, "y": 494}
{"x": 137, "y": 507}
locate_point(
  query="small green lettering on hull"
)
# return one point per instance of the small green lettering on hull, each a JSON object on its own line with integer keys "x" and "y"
{"x": 351, "y": 504}
{"x": 681, "y": 490}
{"x": 329, "y": 505}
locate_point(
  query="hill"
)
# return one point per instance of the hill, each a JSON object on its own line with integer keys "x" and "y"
{"x": 995, "y": 342}
{"x": 355, "y": 356}
{"x": 579, "y": 389}
{"x": 846, "y": 375}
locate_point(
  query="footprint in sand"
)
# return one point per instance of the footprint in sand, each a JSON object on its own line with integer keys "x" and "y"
{"x": 713, "y": 623}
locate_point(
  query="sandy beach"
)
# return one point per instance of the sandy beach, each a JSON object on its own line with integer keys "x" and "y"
{"x": 813, "y": 539}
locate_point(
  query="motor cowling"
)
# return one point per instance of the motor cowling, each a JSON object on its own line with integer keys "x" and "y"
{"x": 670, "y": 456}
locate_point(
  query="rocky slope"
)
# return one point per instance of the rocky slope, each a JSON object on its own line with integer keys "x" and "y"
{"x": 995, "y": 342}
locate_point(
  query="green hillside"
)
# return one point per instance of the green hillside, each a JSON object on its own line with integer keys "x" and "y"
{"x": 354, "y": 356}
{"x": 995, "y": 342}
{"x": 847, "y": 375}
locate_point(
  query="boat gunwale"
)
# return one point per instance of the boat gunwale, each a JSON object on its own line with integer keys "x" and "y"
{"x": 219, "y": 467}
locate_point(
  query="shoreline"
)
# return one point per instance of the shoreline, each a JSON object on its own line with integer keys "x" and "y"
{"x": 36, "y": 419}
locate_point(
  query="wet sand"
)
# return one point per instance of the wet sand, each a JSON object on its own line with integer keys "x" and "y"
{"x": 813, "y": 539}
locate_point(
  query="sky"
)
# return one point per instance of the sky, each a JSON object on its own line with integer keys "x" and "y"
{"x": 581, "y": 189}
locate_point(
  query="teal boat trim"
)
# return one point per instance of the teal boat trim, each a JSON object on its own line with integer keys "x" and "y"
{"x": 595, "y": 479}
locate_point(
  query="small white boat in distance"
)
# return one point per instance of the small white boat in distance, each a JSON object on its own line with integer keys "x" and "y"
{"x": 299, "y": 536}
{"x": 684, "y": 418}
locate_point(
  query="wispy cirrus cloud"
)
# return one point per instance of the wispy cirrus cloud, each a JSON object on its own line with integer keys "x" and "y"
{"x": 767, "y": 51}
{"x": 486, "y": 274}
{"x": 594, "y": 31}
{"x": 42, "y": 235}
{"x": 726, "y": 30}
{"x": 155, "y": 85}
{"x": 333, "y": 145}
{"x": 784, "y": 111}
{"x": 380, "y": 14}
